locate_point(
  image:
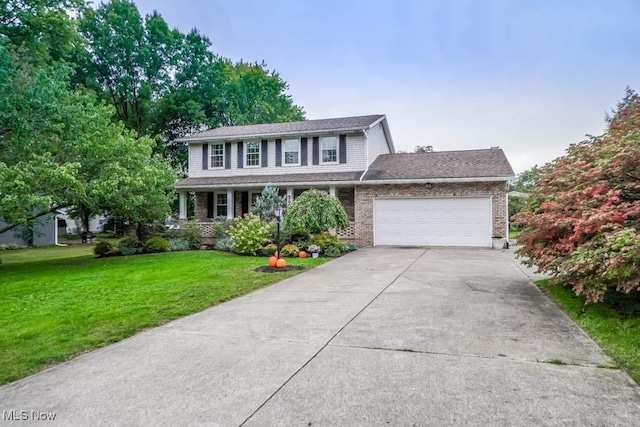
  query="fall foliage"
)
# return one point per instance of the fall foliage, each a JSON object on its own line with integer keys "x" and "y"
{"x": 582, "y": 223}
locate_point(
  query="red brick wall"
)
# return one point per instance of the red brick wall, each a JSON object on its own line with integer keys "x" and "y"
{"x": 365, "y": 194}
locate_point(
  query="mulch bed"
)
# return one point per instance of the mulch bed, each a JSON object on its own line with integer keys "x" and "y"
{"x": 267, "y": 269}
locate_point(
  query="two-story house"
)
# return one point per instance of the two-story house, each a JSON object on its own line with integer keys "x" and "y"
{"x": 455, "y": 198}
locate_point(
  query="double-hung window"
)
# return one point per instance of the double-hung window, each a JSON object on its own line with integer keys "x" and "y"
{"x": 217, "y": 155}
{"x": 329, "y": 149}
{"x": 253, "y": 153}
{"x": 292, "y": 152}
{"x": 221, "y": 204}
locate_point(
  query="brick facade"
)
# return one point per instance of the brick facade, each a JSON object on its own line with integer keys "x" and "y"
{"x": 200, "y": 208}
{"x": 365, "y": 194}
{"x": 347, "y": 198}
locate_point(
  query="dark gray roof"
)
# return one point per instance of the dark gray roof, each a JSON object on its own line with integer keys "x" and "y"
{"x": 267, "y": 179}
{"x": 343, "y": 124}
{"x": 440, "y": 164}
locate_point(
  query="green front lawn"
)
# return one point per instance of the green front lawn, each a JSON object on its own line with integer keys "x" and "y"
{"x": 619, "y": 336}
{"x": 60, "y": 302}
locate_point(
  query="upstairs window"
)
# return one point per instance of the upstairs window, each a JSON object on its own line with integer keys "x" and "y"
{"x": 291, "y": 152}
{"x": 217, "y": 155}
{"x": 253, "y": 154}
{"x": 329, "y": 149}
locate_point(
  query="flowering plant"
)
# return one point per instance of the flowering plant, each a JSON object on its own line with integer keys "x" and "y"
{"x": 313, "y": 249}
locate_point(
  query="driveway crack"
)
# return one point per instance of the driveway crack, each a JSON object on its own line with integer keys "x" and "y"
{"x": 333, "y": 337}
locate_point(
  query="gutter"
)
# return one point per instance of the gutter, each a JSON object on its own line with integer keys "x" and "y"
{"x": 268, "y": 135}
{"x": 359, "y": 182}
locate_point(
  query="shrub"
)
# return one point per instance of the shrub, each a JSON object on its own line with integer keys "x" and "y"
{"x": 9, "y": 247}
{"x": 156, "y": 244}
{"x": 128, "y": 245}
{"x": 315, "y": 211}
{"x": 178, "y": 244}
{"x": 290, "y": 250}
{"x": 103, "y": 249}
{"x": 224, "y": 244}
{"x": 325, "y": 240}
{"x": 286, "y": 234}
{"x": 220, "y": 228}
{"x": 580, "y": 223}
{"x": 270, "y": 249}
{"x": 248, "y": 234}
{"x": 302, "y": 244}
{"x": 192, "y": 233}
{"x": 332, "y": 251}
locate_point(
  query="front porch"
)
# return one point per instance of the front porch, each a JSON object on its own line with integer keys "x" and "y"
{"x": 234, "y": 202}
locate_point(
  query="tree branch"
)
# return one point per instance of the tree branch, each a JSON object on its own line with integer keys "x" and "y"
{"x": 11, "y": 227}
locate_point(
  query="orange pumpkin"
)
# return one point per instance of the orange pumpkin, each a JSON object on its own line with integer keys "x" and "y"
{"x": 277, "y": 255}
{"x": 302, "y": 254}
{"x": 272, "y": 261}
{"x": 281, "y": 263}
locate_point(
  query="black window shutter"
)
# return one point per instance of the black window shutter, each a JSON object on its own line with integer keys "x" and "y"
{"x": 245, "y": 202}
{"x": 240, "y": 154}
{"x": 342, "y": 149}
{"x": 265, "y": 153}
{"x": 227, "y": 155}
{"x": 303, "y": 151}
{"x": 278, "y": 152}
{"x": 210, "y": 205}
{"x": 316, "y": 150}
{"x": 205, "y": 156}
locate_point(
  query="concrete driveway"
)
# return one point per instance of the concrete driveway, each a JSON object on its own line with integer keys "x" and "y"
{"x": 383, "y": 336}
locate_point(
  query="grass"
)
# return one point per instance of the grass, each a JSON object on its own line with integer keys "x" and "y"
{"x": 513, "y": 234}
{"x": 618, "y": 335}
{"x": 59, "y": 302}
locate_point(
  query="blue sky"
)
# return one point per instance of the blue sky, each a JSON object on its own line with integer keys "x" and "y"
{"x": 530, "y": 76}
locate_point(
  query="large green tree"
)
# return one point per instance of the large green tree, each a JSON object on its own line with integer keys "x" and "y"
{"x": 42, "y": 28}
{"x": 59, "y": 148}
{"x": 166, "y": 84}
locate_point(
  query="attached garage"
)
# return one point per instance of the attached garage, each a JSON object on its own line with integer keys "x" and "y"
{"x": 451, "y": 221}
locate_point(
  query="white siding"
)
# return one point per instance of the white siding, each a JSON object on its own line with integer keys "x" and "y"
{"x": 355, "y": 160}
{"x": 378, "y": 143}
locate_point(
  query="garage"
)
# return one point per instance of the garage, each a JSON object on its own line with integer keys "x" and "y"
{"x": 454, "y": 221}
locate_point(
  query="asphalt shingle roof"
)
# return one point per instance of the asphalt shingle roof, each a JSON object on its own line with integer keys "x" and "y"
{"x": 266, "y": 179}
{"x": 440, "y": 164}
{"x": 274, "y": 129}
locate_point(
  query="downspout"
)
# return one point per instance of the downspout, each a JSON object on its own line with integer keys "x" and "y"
{"x": 55, "y": 233}
{"x": 366, "y": 154}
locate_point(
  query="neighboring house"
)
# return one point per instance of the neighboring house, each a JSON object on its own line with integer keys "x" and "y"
{"x": 45, "y": 232}
{"x": 74, "y": 226}
{"x": 446, "y": 198}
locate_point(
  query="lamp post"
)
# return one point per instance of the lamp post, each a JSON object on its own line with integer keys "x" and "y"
{"x": 278, "y": 212}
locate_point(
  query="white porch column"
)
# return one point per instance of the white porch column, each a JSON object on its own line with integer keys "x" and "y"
{"x": 290, "y": 194}
{"x": 231, "y": 208}
{"x": 332, "y": 190}
{"x": 183, "y": 204}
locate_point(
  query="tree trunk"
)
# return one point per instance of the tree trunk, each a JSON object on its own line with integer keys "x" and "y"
{"x": 85, "y": 216}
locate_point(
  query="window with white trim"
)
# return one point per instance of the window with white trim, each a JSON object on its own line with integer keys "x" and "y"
{"x": 221, "y": 204}
{"x": 292, "y": 152}
{"x": 329, "y": 149}
{"x": 253, "y": 154}
{"x": 217, "y": 155}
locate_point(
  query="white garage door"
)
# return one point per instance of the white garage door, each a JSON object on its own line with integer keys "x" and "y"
{"x": 459, "y": 221}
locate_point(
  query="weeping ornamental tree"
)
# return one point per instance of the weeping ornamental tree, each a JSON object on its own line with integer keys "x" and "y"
{"x": 582, "y": 223}
{"x": 315, "y": 211}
